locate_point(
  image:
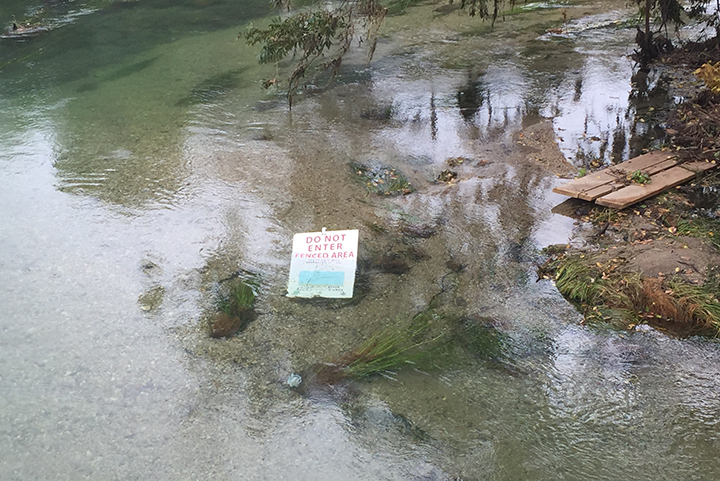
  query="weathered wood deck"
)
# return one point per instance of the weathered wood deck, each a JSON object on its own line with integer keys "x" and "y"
{"x": 612, "y": 188}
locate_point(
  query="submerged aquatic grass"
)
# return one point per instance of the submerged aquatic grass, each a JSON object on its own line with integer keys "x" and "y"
{"x": 234, "y": 305}
{"x": 385, "y": 352}
{"x": 238, "y": 297}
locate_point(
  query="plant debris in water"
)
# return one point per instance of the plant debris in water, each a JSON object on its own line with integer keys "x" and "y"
{"x": 382, "y": 180}
{"x": 455, "y": 161}
{"x": 447, "y": 176}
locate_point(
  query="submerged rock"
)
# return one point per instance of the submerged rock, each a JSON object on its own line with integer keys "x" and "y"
{"x": 381, "y": 113}
{"x": 151, "y": 299}
{"x": 226, "y": 325}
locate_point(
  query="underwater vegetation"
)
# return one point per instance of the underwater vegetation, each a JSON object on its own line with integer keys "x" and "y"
{"x": 234, "y": 302}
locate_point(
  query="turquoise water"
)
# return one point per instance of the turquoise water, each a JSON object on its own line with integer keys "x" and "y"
{"x": 141, "y": 164}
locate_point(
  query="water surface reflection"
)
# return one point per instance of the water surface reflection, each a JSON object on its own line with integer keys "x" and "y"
{"x": 134, "y": 186}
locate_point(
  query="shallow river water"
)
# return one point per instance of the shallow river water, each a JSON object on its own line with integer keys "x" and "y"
{"x": 141, "y": 164}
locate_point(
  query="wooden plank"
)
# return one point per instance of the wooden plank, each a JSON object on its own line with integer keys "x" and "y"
{"x": 605, "y": 189}
{"x": 601, "y": 190}
{"x": 584, "y": 184}
{"x": 595, "y": 185}
{"x": 698, "y": 166}
{"x": 661, "y": 181}
{"x": 645, "y": 162}
{"x": 664, "y": 165}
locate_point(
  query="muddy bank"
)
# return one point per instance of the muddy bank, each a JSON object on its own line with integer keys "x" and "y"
{"x": 658, "y": 258}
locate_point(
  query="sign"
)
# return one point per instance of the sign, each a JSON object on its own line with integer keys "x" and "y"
{"x": 323, "y": 264}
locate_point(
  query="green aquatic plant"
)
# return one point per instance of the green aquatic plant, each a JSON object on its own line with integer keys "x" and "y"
{"x": 234, "y": 302}
{"x": 385, "y": 352}
{"x": 237, "y": 297}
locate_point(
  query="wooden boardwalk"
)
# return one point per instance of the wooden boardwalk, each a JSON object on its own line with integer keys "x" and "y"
{"x": 612, "y": 188}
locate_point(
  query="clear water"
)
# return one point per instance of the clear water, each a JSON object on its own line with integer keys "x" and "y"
{"x": 140, "y": 163}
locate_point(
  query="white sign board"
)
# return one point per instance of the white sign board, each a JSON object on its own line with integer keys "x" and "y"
{"x": 323, "y": 264}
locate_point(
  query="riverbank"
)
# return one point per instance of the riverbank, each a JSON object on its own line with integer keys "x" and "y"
{"x": 656, "y": 262}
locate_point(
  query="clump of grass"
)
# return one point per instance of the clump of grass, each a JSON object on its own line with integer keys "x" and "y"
{"x": 384, "y": 353}
{"x": 578, "y": 280}
{"x": 701, "y": 302}
{"x": 624, "y": 299}
{"x": 700, "y": 227}
{"x": 234, "y": 302}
